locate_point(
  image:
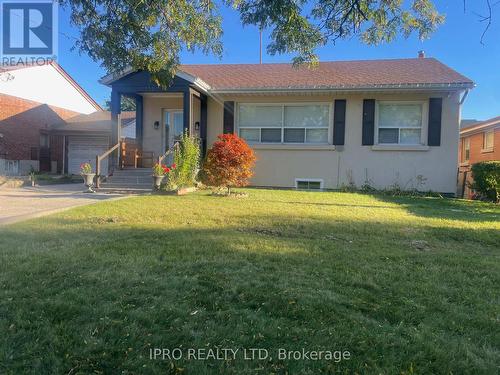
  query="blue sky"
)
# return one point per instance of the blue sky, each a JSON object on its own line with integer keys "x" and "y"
{"x": 456, "y": 43}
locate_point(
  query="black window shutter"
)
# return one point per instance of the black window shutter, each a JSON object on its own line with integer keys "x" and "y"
{"x": 228, "y": 118}
{"x": 339, "y": 122}
{"x": 435, "y": 111}
{"x": 368, "y": 122}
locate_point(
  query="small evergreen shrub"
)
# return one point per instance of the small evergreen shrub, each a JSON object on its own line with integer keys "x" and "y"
{"x": 229, "y": 163}
{"x": 486, "y": 176}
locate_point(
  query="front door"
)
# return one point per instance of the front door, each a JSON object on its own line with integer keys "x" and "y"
{"x": 44, "y": 153}
{"x": 44, "y": 159}
{"x": 174, "y": 127}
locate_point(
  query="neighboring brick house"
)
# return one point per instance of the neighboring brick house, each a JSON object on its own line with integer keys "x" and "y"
{"x": 31, "y": 99}
{"x": 24, "y": 125}
{"x": 479, "y": 141}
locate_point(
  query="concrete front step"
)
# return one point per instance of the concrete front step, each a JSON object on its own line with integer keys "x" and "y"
{"x": 131, "y": 171}
{"x": 131, "y": 176}
{"x": 141, "y": 185}
{"x": 134, "y": 170}
{"x": 122, "y": 190}
{"x": 129, "y": 180}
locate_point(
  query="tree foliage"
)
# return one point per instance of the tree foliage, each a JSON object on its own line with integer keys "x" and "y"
{"x": 149, "y": 35}
{"x": 229, "y": 162}
{"x": 297, "y": 30}
{"x": 145, "y": 35}
{"x": 127, "y": 104}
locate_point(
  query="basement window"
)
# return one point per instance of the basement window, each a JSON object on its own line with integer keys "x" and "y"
{"x": 309, "y": 184}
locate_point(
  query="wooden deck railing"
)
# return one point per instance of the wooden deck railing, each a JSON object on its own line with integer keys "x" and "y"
{"x": 100, "y": 158}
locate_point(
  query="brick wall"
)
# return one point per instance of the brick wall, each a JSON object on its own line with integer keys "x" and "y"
{"x": 476, "y": 147}
{"x": 476, "y": 155}
{"x": 20, "y": 124}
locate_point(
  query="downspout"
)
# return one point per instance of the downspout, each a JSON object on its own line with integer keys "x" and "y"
{"x": 462, "y": 101}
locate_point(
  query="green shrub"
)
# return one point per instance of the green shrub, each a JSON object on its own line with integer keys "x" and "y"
{"x": 486, "y": 176}
{"x": 186, "y": 161}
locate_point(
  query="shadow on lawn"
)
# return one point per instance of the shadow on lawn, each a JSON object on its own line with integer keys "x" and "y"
{"x": 427, "y": 207}
{"x": 333, "y": 204}
{"x": 445, "y": 208}
{"x": 112, "y": 229}
{"x": 260, "y": 281}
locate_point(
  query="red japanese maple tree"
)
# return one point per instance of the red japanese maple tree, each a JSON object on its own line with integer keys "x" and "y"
{"x": 229, "y": 162}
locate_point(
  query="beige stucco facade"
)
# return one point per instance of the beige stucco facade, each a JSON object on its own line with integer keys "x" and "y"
{"x": 279, "y": 165}
{"x": 154, "y": 138}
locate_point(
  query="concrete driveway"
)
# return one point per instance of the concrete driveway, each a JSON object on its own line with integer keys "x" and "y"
{"x": 30, "y": 202}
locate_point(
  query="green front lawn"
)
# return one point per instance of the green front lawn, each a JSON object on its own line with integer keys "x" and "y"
{"x": 407, "y": 286}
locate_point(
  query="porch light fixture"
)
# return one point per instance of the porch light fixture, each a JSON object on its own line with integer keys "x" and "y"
{"x": 156, "y": 125}
{"x": 197, "y": 125}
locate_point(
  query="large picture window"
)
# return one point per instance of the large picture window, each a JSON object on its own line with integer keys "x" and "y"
{"x": 284, "y": 123}
{"x": 400, "y": 123}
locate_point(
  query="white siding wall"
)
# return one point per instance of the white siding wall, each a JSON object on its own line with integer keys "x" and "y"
{"x": 45, "y": 84}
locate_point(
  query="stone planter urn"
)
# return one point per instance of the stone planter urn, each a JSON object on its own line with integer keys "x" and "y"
{"x": 157, "y": 182}
{"x": 88, "y": 181}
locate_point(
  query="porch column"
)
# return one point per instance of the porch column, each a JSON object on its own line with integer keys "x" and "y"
{"x": 187, "y": 110}
{"x": 139, "y": 110}
{"x": 203, "y": 124}
{"x": 116, "y": 98}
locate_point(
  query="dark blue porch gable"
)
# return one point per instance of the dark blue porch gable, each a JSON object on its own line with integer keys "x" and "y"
{"x": 137, "y": 83}
{"x": 141, "y": 82}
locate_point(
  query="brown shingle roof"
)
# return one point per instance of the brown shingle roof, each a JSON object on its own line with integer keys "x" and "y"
{"x": 334, "y": 74}
{"x": 492, "y": 123}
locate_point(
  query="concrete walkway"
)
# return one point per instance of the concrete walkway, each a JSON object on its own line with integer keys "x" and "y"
{"x": 30, "y": 202}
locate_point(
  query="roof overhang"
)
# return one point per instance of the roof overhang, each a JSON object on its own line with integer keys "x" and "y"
{"x": 346, "y": 89}
{"x": 206, "y": 88}
{"x": 196, "y": 81}
{"x": 107, "y": 80}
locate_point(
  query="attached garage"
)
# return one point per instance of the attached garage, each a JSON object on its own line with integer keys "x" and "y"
{"x": 85, "y": 137}
{"x": 83, "y": 149}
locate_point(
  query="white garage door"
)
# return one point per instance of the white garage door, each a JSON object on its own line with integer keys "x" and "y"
{"x": 84, "y": 150}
